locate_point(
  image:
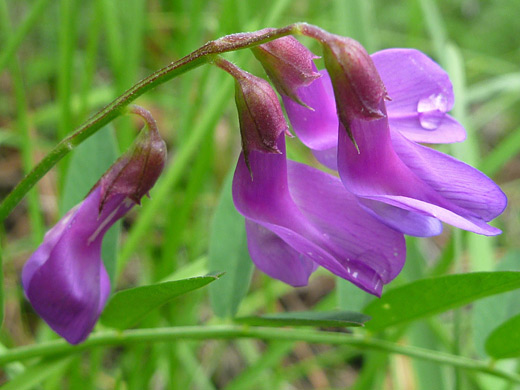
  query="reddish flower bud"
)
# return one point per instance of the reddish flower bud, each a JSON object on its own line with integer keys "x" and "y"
{"x": 358, "y": 88}
{"x": 136, "y": 171}
{"x": 259, "y": 111}
{"x": 288, "y": 64}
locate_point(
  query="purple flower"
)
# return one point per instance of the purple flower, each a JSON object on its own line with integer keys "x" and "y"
{"x": 409, "y": 187}
{"x": 65, "y": 279}
{"x": 299, "y": 218}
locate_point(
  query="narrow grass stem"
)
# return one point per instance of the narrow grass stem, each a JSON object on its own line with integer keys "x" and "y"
{"x": 224, "y": 332}
{"x": 203, "y": 55}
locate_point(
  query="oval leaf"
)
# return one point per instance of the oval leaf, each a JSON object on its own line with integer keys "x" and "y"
{"x": 308, "y": 318}
{"x": 127, "y": 307}
{"x": 228, "y": 252}
{"x": 504, "y": 341}
{"x": 430, "y": 296}
{"x": 489, "y": 313}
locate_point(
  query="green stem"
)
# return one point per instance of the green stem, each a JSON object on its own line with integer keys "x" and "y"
{"x": 197, "y": 58}
{"x": 224, "y": 332}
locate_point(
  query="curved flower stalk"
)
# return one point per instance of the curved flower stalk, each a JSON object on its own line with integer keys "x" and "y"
{"x": 65, "y": 279}
{"x": 407, "y": 186}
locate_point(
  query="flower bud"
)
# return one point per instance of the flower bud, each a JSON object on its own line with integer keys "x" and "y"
{"x": 358, "y": 88}
{"x": 135, "y": 172}
{"x": 259, "y": 111}
{"x": 288, "y": 64}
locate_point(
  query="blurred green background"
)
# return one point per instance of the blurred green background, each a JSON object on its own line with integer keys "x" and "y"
{"x": 62, "y": 60}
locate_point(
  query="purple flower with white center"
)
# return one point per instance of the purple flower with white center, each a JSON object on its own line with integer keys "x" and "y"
{"x": 407, "y": 186}
{"x": 65, "y": 279}
{"x": 297, "y": 217}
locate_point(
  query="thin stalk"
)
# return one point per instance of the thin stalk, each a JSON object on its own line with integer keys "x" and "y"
{"x": 203, "y": 55}
{"x": 225, "y": 332}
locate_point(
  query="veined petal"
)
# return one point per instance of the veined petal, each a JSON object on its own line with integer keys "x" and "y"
{"x": 421, "y": 94}
{"x": 447, "y": 131}
{"x": 328, "y": 157}
{"x": 65, "y": 279}
{"x": 403, "y": 220}
{"x": 315, "y": 128}
{"x": 414, "y": 182}
{"x": 275, "y": 258}
{"x": 317, "y": 220}
{"x": 347, "y": 230}
{"x": 456, "y": 181}
{"x": 466, "y": 222}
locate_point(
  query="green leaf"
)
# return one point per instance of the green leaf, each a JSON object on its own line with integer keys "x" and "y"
{"x": 228, "y": 252}
{"x": 88, "y": 163}
{"x": 490, "y": 312}
{"x": 504, "y": 341}
{"x": 308, "y": 318}
{"x": 430, "y": 296}
{"x": 127, "y": 307}
{"x": 34, "y": 375}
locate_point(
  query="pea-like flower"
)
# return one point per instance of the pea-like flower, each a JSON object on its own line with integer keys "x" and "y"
{"x": 65, "y": 279}
{"x": 297, "y": 217}
{"x": 409, "y": 187}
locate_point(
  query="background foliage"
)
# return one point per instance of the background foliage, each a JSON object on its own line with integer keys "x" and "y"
{"x": 60, "y": 61}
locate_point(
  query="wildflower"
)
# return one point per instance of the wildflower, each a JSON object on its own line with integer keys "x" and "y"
{"x": 408, "y": 186}
{"x": 65, "y": 279}
{"x": 297, "y": 217}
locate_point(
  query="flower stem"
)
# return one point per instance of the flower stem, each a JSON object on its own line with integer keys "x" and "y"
{"x": 117, "y": 107}
{"x": 224, "y": 332}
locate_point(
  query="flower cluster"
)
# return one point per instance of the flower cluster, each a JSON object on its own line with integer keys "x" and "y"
{"x": 364, "y": 118}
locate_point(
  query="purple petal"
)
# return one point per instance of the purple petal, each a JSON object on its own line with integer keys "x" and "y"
{"x": 315, "y": 128}
{"x": 421, "y": 94}
{"x": 432, "y": 185}
{"x": 456, "y": 181}
{"x": 404, "y": 221}
{"x": 466, "y": 222}
{"x": 275, "y": 258}
{"x": 315, "y": 219}
{"x": 328, "y": 157}
{"x": 447, "y": 131}
{"x": 65, "y": 279}
{"x": 347, "y": 230}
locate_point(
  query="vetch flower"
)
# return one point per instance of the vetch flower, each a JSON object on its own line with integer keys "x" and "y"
{"x": 408, "y": 186}
{"x": 65, "y": 279}
{"x": 297, "y": 217}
